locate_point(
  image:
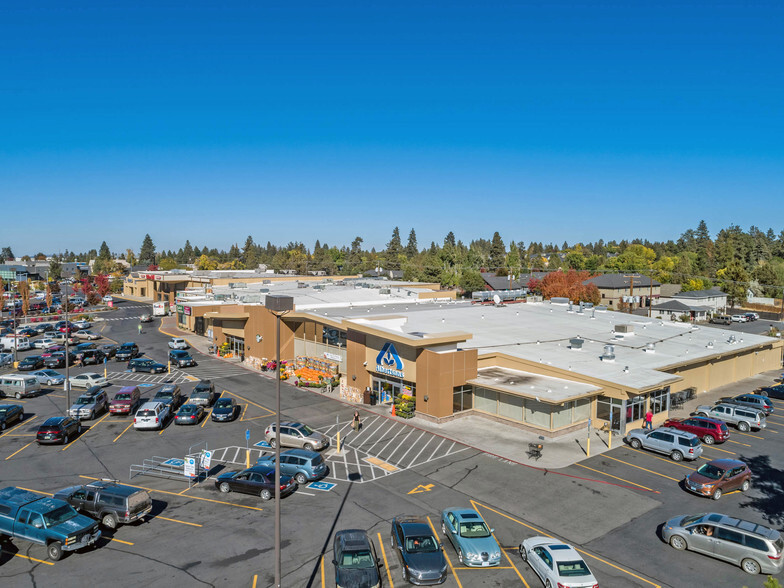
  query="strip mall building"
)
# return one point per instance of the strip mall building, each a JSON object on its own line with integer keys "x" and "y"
{"x": 544, "y": 367}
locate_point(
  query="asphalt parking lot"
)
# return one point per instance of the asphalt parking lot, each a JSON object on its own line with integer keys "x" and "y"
{"x": 609, "y": 506}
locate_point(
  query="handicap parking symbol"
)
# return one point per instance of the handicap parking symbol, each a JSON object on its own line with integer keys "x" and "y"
{"x": 174, "y": 462}
{"x": 263, "y": 445}
{"x": 323, "y": 486}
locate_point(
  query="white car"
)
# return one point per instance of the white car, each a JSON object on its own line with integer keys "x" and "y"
{"x": 6, "y": 359}
{"x": 83, "y": 325}
{"x": 739, "y": 318}
{"x": 46, "y": 343}
{"x": 152, "y": 415}
{"x": 89, "y": 335}
{"x": 177, "y": 343}
{"x": 556, "y": 563}
{"x": 87, "y": 380}
{"x": 107, "y": 298}
{"x": 49, "y": 377}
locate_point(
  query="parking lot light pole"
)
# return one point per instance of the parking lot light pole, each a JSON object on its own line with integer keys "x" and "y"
{"x": 67, "y": 356}
{"x": 278, "y": 305}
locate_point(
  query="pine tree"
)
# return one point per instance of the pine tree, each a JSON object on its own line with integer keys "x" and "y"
{"x": 497, "y": 252}
{"x": 104, "y": 253}
{"x": 393, "y": 251}
{"x": 147, "y": 252}
{"x": 411, "y": 247}
{"x": 449, "y": 239}
{"x": 187, "y": 252}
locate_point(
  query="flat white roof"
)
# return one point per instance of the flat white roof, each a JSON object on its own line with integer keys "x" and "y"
{"x": 541, "y": 388}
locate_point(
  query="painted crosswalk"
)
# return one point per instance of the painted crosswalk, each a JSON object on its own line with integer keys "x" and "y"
{"x": 382, "y": 448}
{"x": 119, "y": 318}
{"x": 176, "y": 377}
{"x": 212, "y": 369}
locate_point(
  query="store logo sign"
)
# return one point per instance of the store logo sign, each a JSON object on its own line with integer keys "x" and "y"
{"x": 389, "y": 362}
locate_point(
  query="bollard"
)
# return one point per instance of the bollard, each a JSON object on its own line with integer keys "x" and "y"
{"x": 170, "y": 366}
{"x": 609, "y": 438}
{"x": 338, "y": 450}
{"x": 588, "y": 447}
{"x": 247, "y": 458}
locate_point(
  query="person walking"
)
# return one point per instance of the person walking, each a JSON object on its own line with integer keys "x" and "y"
{"x": 356, "y": 423}
{"x": 648, "y": 424}
{"x": 140, "y": 328}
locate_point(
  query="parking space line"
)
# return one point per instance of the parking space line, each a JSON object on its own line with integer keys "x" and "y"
{"x": 242, "y": 416}
{"x": 617, "y": 478}
{"x": 95, "y": 424}
{"x": 123, "y": 433}
{"x": 738, "y": 443}
{"x": 717, "y": 449}
{"x": 448, "y": 559}
{"x": 467, "y": 569}
{"x": 36, "y": 491}
{"x": 509, "y": 559}
{"x": 176, "y": 521}
{"x": 322, "y": 571}
{"x": 18, "y": 450}
{"x": 189, "y": 497}
{"x": 206, "y": 418}
{"x": 540, "y": 532}
{"x": 22, "y": 435}
{"x": 748, "y": 435}
{"x": 255, "y": 579}
{"x": 121, "y": 541}
{"x": 386, "y": 563}
{"x": 34, "y": 559}
{"x": 640, "y": 451}
{"x": 640, "y": 468}
{"x": 18, "y": 425}
{"x": 271, "y": 412}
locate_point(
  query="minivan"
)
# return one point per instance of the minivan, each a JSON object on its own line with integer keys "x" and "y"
{"x": 755, "y": 548}
{"x": 721, "y": 319}
{"x": 19, "y": 386}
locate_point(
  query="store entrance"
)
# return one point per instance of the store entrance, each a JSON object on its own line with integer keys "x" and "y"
{"x": 388, "y": 389}
{"x": 236, "y": 345}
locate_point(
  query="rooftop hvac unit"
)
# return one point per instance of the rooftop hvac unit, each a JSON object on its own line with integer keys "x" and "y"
{"x": 266, "y": 281}
{"x": 318, "y": 287}
{"x": 609, "y": 353}
{"x": 576, "y": 344}
{"x": 385, "y": 291}
{"x": 303, "y": 285}
{"x": 625, "y": 329}
{"x": 558, "y": 300}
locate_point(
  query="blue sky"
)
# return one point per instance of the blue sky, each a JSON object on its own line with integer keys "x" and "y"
{"x": 547, "y": 121}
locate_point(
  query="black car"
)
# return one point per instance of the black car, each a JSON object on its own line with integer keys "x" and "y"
{"x": 355, "y": 561}
{"x": 30, "y": 363}
{"x": 58, "y": 430}
{"x": 421, "y": 557}
{"x": 141, "y": 364}
{"x": 91, "y": 356}
{"x": 181, "y": 358}
{"x": 57, "y": 360}
{"x": 109, "y": 350}
{"x": 169, "y": 394}
{"x": 126, "y": 352}
{"x": 258, "y": 480}
{"x": 10, "y": 414}
{"x": 225, "y": 409}
{"x": 776, "y": 391}
{"x": 27, "y": 332}
{"x": 40, "y": 328}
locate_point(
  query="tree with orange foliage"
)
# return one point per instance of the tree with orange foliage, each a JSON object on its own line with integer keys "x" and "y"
{"x": 570, "y": 285}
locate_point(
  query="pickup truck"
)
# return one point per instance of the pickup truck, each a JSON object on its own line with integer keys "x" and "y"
{"x": 45, "y": 521}
{"x": 741, "y": 416}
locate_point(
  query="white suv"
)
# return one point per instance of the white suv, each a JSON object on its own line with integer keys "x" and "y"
{"x": 152, "y": 415}
{"x": 177, "y": 343}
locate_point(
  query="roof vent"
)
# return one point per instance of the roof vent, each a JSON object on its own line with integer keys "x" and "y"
{"x": 709, "y": 345}
{"x": 576, "y": 344}
{"x": 609, "y": 353}
{"x": 626, "y": 369}
{"x": 560, "y": 300}
{"x": 650, "y": 348}
{"x": 624, "y": 329}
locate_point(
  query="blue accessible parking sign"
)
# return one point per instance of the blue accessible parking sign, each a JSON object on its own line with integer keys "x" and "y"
{"x": 323, "y": 486}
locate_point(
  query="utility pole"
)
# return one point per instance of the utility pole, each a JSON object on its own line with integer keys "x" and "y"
{"x": 631, "y": 293}
{"x": 650, "y": 296}
{"x": 67, "y": 355}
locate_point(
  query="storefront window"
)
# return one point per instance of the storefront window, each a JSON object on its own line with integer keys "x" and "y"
{"x": 486, "y": 400}
{"x": 659, "y": 400}
{"x": 332, "y": 336}
{"x": 582, "y": 410}
{"x": 609, "y": 409}
{"x": 562, "y": 415}
{"x": 510, "y": 406}
{"x": 537, "y": 413}
{"x": 635, "y": 408}
{"x": 463, "y": 398}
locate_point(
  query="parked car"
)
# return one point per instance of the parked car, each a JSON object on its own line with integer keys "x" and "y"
{"x": 126, "y": 352}
{"x": 181, "y": 358}
{"x": 19, "y": 385}
{"x": 754, "y": 547}
{"x": 757, "y": 401}
{"x": 90, "y": 356}
{"x": 776, "y": 391}
{"x": 45, "y": 343}
{"x": 556, "y": 563}
{"x": 679, "y": 445}
{"x": 41, "y": 328}
{"x": 203, "y": 394}
{"x": 108, "y": 501}
{"x": 257, "y": 480}
{"x": 6, "y": 359}
{"x": 355, "y": 560}
{"x": 716, "y": 477}
{"x": 57, "y": 359}
{"x": 178, "y": 343}
{"x": 152, "y": 415}
{"x": 31, "y": 362}
{"x": 169, "y": 394}
{"x": 84, "y": 347}
{"x": 304, "y": 466}
{"x": 141, "y": 364}
{"x": 294, "y": 434}
{"x": 49, "y": 377}
{"x": 89, "y": 335}
{"x": 10, "y": 414}
{"x": 709, "y": 430}
{"x": 59, "y": 429}
{"x": 751, "y": 316}
{"x": 740, "y": 416}
{"x": 88, "y": 406}
{"x": 107, "y": 299}
{"x": 109, "y": 349}
{"x": 739, "y": 318}
{"x": 26, "y": 331}
{"x": 189, "y": 414}
{"x": 225, "y": 409}
{"x": 421, "y": 557}
{"x": 126, "y": 400}
{"x": 88, "y": 379}
{"x": 469, "y": 535}
{"x": 82, "y": 324}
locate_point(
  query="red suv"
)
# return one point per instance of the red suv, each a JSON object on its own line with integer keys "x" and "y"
{"x": 709, "y": 430}
{"x": 126, "y": 401}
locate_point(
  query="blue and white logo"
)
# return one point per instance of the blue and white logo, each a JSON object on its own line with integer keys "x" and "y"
{"x": 389, "y": 362}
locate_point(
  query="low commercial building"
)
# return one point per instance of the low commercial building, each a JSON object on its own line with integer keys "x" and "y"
{"x": 626, "y": 290}
{"x": 548, "y": 368}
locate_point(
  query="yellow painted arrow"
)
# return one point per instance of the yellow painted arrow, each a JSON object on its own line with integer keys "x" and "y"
{"x": 419, "y": 489}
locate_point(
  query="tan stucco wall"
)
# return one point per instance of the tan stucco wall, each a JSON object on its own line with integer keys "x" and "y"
{"x": 439, "y": 374}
